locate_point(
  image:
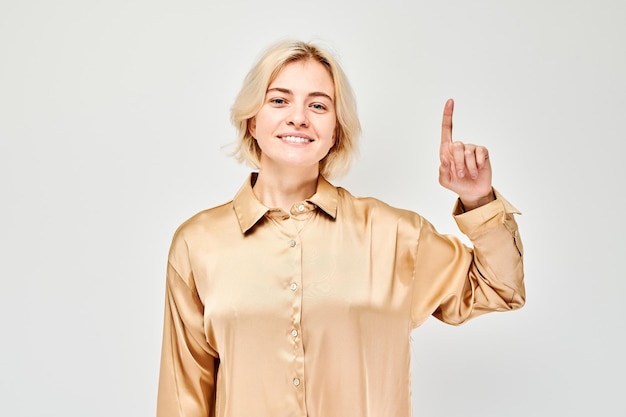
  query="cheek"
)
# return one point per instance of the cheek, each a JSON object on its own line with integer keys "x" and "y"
{"x": 334, "y": 133}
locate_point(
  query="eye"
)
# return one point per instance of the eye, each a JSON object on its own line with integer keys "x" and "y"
{"x": 278, "y": 101}
{"x": 318, "y": 107}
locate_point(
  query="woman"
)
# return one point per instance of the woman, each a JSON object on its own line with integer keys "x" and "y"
{"x": 297, "y": 298}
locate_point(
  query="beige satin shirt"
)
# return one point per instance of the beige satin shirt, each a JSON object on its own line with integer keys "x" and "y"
{"x": 309, "y": 313}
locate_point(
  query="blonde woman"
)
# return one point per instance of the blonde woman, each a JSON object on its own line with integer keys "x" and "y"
{"x": 297, "y": 298}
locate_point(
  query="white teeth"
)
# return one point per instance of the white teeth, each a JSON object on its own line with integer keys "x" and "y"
{"x": 295, "y": 139}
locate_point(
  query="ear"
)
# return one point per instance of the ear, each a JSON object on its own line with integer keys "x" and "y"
{"x": 252, "y": 127}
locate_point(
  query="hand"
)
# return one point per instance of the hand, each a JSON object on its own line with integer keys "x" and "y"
{"x": 465, "y": 168}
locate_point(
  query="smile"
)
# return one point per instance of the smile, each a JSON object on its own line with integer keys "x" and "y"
{"x": 295, "y": 139}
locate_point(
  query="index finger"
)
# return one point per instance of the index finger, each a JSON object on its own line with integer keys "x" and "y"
{"x": 446, "y": 123}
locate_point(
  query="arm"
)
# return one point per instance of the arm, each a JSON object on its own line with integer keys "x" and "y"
{"x": 454, "y": 282}
{"x": 188, "y": 364}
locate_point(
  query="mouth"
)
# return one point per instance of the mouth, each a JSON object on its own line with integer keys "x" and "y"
{"x": 295, "y": 139}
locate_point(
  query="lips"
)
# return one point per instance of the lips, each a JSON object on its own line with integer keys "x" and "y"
{"x": 295, "y": 139}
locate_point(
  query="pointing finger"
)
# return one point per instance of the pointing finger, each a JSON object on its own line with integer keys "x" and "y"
{"x": 446, "y": 129}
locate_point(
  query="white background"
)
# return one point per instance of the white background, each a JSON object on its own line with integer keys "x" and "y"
{"x": 113, "y": 120}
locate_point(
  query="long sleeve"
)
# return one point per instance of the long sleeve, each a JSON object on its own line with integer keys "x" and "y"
{"x": 188, "y": 364}
{"x": 456, "y": 283}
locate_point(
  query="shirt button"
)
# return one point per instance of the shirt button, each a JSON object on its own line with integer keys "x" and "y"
{"x": 301, "y": 207}
{"x": 294, "y": 333}
{"x": 293, "y": 286}
{"x": 296, "y": 381}
{"x": 292, "y": 243}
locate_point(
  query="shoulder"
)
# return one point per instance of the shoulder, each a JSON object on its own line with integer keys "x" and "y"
{"x": 373, "y": 207}
{"x": 209, "y": 221}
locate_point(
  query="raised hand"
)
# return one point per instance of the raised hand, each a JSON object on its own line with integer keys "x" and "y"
{"x": 465, "y": 168}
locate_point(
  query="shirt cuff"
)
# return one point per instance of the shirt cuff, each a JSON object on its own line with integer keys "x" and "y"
{"x": 480, "y": 219}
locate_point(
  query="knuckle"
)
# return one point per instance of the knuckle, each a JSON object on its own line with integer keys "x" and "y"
{"x": 458, "y": 146}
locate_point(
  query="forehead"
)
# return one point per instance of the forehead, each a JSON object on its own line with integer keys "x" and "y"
{"x": 304, "y": 76}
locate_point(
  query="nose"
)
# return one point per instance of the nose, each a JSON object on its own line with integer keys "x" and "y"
{"x": 297, "y": 116}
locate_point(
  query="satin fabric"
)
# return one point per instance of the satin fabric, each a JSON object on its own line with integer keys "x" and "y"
{"x": 309, "y": 313}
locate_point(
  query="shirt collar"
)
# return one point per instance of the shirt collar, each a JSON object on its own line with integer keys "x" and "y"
{"x": 250, "y": 210}
{"x": 326, "y": 197}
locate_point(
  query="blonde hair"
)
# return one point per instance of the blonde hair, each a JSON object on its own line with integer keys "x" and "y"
{"x": 252, "y": 95}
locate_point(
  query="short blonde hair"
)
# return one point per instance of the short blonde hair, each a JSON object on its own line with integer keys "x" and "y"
{"x": 252, "y": 96}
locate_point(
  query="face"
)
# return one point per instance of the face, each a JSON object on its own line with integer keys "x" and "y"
{"x": 295, "y": 126}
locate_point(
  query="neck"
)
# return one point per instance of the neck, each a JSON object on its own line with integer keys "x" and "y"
{"x": 283, "y": 189}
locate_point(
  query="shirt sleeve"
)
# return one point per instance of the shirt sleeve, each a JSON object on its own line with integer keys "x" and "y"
{"x": 188, "y": 363}
{"x": 454, "y": 282}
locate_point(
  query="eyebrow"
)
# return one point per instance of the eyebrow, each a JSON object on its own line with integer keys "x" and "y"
{"x": 312, "y": 94}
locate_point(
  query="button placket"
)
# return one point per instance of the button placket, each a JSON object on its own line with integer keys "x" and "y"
{"x": 293, "y": 287}
{"x": 294, "y": 331}
{"x": 290, "y": 228}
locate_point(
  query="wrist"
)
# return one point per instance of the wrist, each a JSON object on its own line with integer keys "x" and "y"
{"x": 471, "y": 204}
